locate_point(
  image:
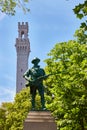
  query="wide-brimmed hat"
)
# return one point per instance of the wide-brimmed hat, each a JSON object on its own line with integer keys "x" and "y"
{"x": 35, "y": 60}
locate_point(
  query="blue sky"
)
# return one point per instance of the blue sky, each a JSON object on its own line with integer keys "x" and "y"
{"x": 50, "y": 22}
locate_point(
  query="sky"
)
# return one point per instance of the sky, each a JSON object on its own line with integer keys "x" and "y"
{"x": 50, "y": 22}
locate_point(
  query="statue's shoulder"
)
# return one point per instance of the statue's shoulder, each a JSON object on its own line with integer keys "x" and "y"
{"x": 28, "y": 72}
{"x": 42, "y": 71}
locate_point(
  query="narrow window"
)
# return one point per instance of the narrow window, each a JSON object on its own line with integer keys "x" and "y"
{"x": 21, "y": 70}
{"x": 22, "y": 34}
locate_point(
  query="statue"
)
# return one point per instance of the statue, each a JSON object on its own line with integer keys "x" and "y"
{"x": 35, "y": 77}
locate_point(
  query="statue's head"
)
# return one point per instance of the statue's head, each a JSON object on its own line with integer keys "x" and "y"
{"x": 35, "y": 60}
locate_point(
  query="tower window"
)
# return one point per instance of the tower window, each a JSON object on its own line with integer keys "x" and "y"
{"x": 21, "y": 70}
{"x": 22, "y": 34}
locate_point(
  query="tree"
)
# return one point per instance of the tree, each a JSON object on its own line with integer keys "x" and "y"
{"x": 69, "y": 85}
{"x": 80, "y": 11}
{"x": 9, "y": 6}
{"x": 2, "y": 118}
{"x": 4, "y": 108}
{"x": 81, "y": 35}
{"x": 18, "y": 111}
{"x": 12, "y": 115}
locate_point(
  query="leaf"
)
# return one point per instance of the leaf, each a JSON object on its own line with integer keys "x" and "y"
{"x": 80, "y": 16}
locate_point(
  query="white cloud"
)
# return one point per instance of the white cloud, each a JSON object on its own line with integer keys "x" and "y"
{"x": 6, "y": 94}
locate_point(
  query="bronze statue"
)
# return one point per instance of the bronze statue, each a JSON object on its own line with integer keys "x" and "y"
{"x": 35, "y": 77}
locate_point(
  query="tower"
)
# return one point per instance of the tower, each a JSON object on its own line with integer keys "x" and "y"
{"x": 23, "y": 50}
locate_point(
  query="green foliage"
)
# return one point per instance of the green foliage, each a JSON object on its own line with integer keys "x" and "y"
{"x": 18, "y": 111}
{"x": 12, "y": 115}
{"x": 69, "y": 86}
{"x": 80, "y": 11}
{"x": 2, "y": 118}
{"x": 9, "y": 6}
{"x": 3, "y": 114}
{"x": 81, "y": 35}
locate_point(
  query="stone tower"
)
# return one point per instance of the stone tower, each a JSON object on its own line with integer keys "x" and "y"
{"x": 23, "y": 50}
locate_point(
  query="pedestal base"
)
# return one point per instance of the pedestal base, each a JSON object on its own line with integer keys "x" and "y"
{"x": 39, "y": 120}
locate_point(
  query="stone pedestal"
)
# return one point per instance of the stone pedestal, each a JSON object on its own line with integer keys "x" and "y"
{"x": 39, "y": 120}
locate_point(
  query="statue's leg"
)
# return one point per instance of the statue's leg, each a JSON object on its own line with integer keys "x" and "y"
{"x": 33, "y": 101}
{"x": 41, "y": 92}
{"x": 33, "y": 94}
{"x": 42, "y": 101}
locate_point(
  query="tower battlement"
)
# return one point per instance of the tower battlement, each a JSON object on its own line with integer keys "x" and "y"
{"x": 23, "y": 30}
{"x": 23, "y": 25}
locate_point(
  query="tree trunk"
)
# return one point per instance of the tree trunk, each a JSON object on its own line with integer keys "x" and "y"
{"x": 82, "y": 124}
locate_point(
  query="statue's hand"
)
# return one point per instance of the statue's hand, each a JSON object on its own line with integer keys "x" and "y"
{"x": 27, "y": 78}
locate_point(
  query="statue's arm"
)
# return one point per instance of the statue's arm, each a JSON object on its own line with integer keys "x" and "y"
{"x": 42, "y": 75}
{"x": 26, "y": 74}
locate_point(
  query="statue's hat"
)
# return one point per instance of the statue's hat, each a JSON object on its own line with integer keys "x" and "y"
{"x": 35, "y": 60}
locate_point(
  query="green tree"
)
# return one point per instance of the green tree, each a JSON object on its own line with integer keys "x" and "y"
{"x": 69, "y": 86}
{"x": 18, "y": 111}
{"x": 12, "y": 115}
{"x": 80, "y": 11}
{"x": 4, "y": 108}
{"x": 9, "y": 6}
{"x": 81, "y": 35}
{"x": 2, "y": 118}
